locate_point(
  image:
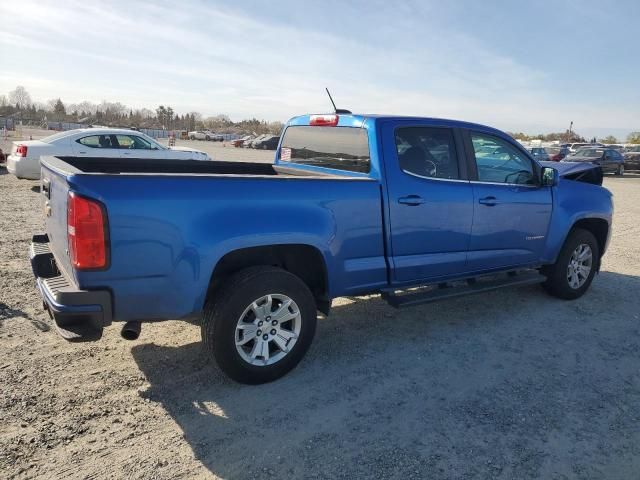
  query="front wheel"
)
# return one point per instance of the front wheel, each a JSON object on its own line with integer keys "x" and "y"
{"x": 577, "y": 263}
{"x": 260, "y": 324}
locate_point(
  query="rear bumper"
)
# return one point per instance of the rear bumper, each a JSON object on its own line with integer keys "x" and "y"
{"x": 24, "y": 167}
{"x": 79, "y": 315}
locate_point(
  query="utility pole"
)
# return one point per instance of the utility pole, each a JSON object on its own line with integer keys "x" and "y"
{"x": 570, "y": 128}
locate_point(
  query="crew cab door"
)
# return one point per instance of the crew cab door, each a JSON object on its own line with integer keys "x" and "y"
{"x": 511, "y": 211}
{"x": 430, "y": 201}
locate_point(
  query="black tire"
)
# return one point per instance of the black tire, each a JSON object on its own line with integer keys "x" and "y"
{"x": 223, "y": 310}
{"x": 192, "y": 137}
{"x": 557, "y": 283}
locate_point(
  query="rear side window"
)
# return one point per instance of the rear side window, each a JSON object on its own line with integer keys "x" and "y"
{"x": 427, "y": 152}
{"x": 342, "y": 148}
{"x": 97, "y": 141}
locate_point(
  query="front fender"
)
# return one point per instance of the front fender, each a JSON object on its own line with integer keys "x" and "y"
{"x": 574, "y": 201}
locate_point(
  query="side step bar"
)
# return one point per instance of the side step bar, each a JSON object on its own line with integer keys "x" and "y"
{"x": 468, "y": 286}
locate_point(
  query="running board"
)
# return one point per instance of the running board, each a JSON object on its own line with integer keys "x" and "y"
{"x": 468, "y": 286}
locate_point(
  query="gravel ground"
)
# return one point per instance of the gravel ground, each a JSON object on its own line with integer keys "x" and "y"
{"x": 512, "y": 384}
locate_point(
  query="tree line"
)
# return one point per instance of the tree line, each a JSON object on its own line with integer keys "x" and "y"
{"x": 19, "y": 105}
{"x": 573, "y": 137}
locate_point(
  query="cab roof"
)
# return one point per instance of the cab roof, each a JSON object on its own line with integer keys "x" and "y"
{"x": 361, "y": 120}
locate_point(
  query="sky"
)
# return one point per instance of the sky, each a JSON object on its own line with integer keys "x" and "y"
{"x": 529, "y": 66}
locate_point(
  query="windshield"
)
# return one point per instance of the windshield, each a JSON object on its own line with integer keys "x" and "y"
{"x": 589, "y": 152}
{"x": 153, "y": 142}
{"x": 342, "y": 148}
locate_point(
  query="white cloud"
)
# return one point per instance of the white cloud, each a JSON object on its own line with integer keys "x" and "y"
{"x": 194, "y": 56}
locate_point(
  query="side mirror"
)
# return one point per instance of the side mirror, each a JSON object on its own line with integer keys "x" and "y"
{"x": 549, "y": 177}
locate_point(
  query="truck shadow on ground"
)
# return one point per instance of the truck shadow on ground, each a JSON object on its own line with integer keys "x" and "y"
{"x": 8, "y": 313}
{"x": 483, "y": 386}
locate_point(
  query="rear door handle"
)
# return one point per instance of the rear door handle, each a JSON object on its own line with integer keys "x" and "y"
{"x": 488, "y": 201}
{"x": 412, "y": 200}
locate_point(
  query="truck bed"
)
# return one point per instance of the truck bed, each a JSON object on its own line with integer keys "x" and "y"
{"x": 170, "y": 222}
{"x": 185, "y": 167}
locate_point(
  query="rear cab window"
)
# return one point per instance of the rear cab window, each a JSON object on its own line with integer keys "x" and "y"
{"x": 340, "y": 148}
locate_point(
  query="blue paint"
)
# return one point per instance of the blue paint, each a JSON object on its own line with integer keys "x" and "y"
{"x": 168, "y": 232}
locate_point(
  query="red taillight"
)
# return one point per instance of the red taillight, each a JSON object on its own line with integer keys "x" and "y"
{"x": 86, "y": 227}
{"x": 324, "y": 120}
{"x": 22, "y": 150}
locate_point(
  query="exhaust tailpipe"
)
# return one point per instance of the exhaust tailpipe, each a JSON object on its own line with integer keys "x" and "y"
{"x": 131, "y": 330}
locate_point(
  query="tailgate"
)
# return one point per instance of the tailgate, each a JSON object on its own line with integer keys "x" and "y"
{"x": 54, "y": 188}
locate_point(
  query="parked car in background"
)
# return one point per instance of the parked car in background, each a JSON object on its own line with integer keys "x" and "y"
{"x": 609, "y": 159}
{"x": 214, "y": 137}
{"x": 615, "y": 146}
{"x": 239, "y": 142}
{"x": 270, "y": 142}
{"x": 199, "y": 135}
{"x": 540, "y": 154}
{"x": 251, "y": 142}
{"x": 632, "y": 157}
{"x": 557, "y": 153}
{"x": 24, "y": 161}
{"x": 574, "y": 147}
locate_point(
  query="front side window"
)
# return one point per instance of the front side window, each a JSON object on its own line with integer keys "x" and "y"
{"x": 427, "y": 152}
{"x": 498, "y": 161}
{"x": 133, "y": 142}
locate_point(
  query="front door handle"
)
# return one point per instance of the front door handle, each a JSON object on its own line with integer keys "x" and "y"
{"x": 412, "y": 200}
{"x": 488, "y": 201}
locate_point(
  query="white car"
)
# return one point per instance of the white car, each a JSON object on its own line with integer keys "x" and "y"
{"x": 24, "y": 160}
{"x": 199, "y": 135}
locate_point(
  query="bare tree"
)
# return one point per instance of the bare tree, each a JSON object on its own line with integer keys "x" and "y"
{"x": 609, "y": 139}
{"x": 4, "y": 101}
{"x": 20, "y": 97}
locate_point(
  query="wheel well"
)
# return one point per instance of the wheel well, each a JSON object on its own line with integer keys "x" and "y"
{"x": 304, "y": 261}
{"x": 598, "y": 227}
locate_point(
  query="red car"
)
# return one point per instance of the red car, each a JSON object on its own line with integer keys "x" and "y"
{"x": 557, "y": 153}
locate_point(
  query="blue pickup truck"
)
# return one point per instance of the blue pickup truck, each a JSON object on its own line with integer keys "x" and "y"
{"x": 414, "y": 209}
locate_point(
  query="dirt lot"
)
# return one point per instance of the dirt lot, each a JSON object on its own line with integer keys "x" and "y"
{"x": 513, "y": 384}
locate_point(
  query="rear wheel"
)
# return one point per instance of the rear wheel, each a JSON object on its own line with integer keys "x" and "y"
{"x": 577, "y": 263}
{"x": 260, "y": 324}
